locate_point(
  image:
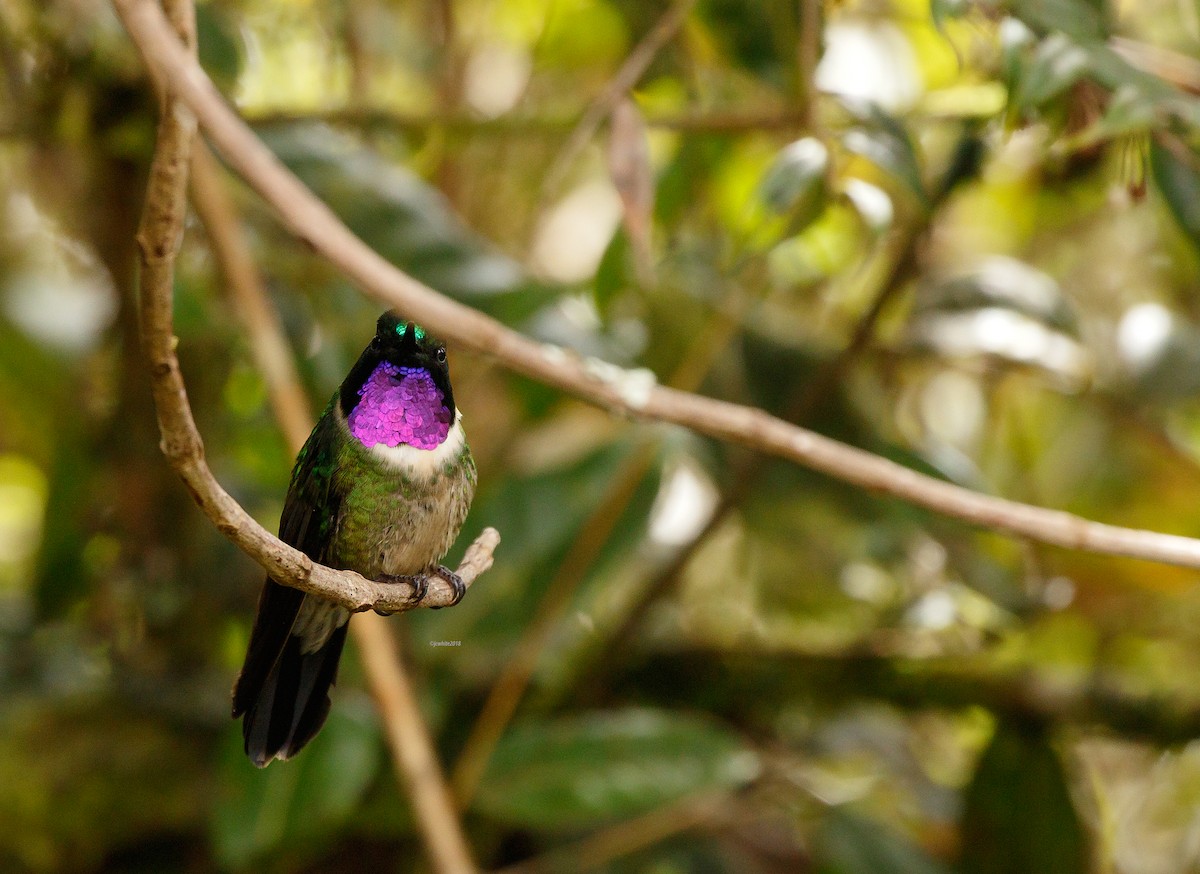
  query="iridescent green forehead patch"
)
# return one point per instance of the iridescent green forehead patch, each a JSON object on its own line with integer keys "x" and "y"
{"x": 418, "y": 331}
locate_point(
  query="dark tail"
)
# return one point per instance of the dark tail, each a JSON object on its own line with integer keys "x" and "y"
{"x": 282, "y": 693}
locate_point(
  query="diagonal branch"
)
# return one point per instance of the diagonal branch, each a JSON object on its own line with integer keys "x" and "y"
{"x": 630, "y": 393}
{"x": 631, "y": 71}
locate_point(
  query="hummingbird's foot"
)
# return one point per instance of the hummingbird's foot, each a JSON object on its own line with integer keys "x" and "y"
{"x": 455, "y": 581}
{"x": 419, "y": 583}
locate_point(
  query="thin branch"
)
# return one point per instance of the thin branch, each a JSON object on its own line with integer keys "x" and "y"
{"x": 629, "y": 392}
{"x": 626, "y": 77}
{"x": 268, "y": 344}
{"x": 808, "y": 52}
{"x": 460, "y": 122}
{"x": 901, "y": 265}
{"x": 10, "y": 65}
{"x": 413, "y": 755}
{"x": 747, "y": 677}
{"x": 416, "y": 761}
{"x": 519, "y": 668}
{"x": 158, "y": 239}
{"x": 630, "y": 836}
{"x": 1182, "y": 71}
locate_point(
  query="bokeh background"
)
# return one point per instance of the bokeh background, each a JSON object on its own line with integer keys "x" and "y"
{"x": 961, "y": 235}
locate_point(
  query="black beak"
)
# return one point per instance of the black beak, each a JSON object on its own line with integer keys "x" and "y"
{"x": 410, "y": 336}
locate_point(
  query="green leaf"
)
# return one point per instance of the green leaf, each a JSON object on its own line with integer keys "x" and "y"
{"x": 943, "y": 10}
{"x": 883, "y": 140}
{"x": 1077, "y": 19}
{"x": 1005, "y": 283}
{"x": 219, "y": 45}
{"x": 299, "y": 802}
{"x": 614, "y": 274}
{"x": 1019, "y": 818}
{"x": 1056, "y": 65}
{"x": 795, "y": 183}
{"x": 852, "y": 844}
{"x": 578, "y": 771}
{"x": 1177, "y": 177}
{"x": 1061, "y": 60}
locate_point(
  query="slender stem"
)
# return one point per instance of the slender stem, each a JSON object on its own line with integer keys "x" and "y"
{"x": 628, "y": 837}
{"x": 626, "y": 77}
{"x": 268, "y": 344}
{"x": 416, "y": 761}
{"x": 520, "y": 666}
{"x": 730, "y": 121}
{"x": 808, "y": 52}
{"x": 663, "y": 583}
{"x": 518, "y": 670}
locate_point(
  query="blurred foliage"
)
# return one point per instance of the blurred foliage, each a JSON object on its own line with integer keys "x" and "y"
{"x": 974, "y": 251}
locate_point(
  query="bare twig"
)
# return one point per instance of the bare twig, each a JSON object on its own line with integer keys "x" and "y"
{"x": 413, "y": 754}
{"x": 902, "y": 251}
{"x": 268, "y": 344}
{"x": 626, "y": 77}
{"x": 416, "y": 761}
{"x": 872, "y": 670}
{"x": 519, "y": 668}
{"x": 622, "y": 391}
{"x": 808, "y": 52}
{"x": 624, "y": 838}
{"x": 465, "y": 123}
{"x": 1182, "y": 71}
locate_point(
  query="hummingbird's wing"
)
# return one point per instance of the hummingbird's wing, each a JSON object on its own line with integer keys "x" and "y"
{"x": 282, "y": 689}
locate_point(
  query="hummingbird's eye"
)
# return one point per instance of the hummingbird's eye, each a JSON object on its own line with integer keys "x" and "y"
{"x": 441, "y": 354}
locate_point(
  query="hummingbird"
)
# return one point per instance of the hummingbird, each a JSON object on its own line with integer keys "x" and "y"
{"x": 381, "y": 487}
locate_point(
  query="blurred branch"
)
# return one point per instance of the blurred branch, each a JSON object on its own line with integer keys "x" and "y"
{"x": 412, "y": 749}
{"x": 1182, "y": 71}
{"x": 268, "y": 345}
{"x": 900, "y": 266}
{"x": 628, "y": 837}
{"x": 10, "y": 64}
{"x": 738, "y": 683}
{"x": 628, "y": 392}
{"x": 626, "y": 77}
{"x": 408, "y": 737}
{"x": 464, "y": 122}
{"x": 808, "y": 52}
{"x": 519, "y": 668}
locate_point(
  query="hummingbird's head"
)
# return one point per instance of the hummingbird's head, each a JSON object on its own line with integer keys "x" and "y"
{"x": 405, "y": 364}
{"x": 406, "y": 344}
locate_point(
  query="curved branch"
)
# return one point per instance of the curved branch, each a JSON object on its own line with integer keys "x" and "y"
{"x": 159, "y": 234}
{"x": 629, "y": 392}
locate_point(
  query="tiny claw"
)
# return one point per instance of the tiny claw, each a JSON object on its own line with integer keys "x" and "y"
{"x": 419, "y": 583}
{"x": 456, "y": 583}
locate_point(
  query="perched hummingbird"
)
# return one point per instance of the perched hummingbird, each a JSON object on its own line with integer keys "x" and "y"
{"x": 381, "y": 487}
